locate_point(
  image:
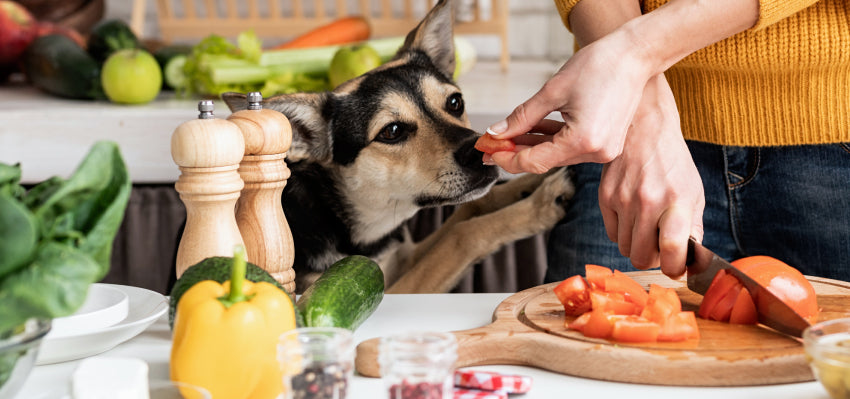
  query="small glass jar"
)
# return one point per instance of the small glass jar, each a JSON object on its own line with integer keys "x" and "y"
{"x": 316, "y": 362}
{"x": 418, "y": 365}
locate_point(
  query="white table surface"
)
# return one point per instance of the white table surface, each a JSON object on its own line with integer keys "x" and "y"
{"x": 435, "y": 312}
{"x": 49, "y": 136}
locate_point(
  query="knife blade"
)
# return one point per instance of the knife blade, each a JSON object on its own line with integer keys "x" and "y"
{"x": 703, "y": 265}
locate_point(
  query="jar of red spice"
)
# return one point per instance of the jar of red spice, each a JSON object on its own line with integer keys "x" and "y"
{"x": 418, "y": 365}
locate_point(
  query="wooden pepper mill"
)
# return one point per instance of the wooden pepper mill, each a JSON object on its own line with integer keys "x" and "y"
{"x": 208, "y": 151}
{"x": 259, "y": 213}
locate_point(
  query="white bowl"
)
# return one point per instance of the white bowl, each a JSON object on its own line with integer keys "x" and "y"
{"x": 105, "y": 306}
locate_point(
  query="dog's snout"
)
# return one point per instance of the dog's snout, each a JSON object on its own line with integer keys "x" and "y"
{"x": 466, "y": 155}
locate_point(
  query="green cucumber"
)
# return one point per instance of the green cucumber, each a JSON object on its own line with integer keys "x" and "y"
{"x": 345, "y": 295}
{"x": 58, "y": 65}
{"x": 217, "y": 268}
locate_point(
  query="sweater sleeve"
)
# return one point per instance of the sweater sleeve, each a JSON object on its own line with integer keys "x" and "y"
{"x": 564, "y": 7}
{"x": 772, "y": 11}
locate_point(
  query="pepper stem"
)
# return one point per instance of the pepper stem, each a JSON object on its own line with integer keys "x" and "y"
{"x": 237, "y": 277}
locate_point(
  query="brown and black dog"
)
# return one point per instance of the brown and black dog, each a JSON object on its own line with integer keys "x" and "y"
{"x": 367, "y": 156}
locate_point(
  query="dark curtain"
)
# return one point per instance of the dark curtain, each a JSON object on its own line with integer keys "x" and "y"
{"x": 145, "y": 246}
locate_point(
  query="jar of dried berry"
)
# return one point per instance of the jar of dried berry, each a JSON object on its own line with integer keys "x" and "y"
{"x": 317, "y": 362}
{"x": 418, "y": 365}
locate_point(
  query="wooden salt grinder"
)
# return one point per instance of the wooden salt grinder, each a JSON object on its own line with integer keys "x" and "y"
{"x": 259, "y": 213}
{"x": 208, "y": 151}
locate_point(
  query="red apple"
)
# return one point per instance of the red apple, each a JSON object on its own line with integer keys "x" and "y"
{"x": 17, "y": 29}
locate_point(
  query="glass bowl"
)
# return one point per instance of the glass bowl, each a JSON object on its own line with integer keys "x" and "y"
{"x": 827, "y": 347}
{"x": 18, "y": 350}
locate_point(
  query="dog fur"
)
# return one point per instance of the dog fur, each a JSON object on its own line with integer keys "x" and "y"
{"x": 367, "y": 156}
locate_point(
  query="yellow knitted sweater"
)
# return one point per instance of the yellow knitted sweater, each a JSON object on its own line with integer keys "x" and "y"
{"x": 785, "y": 81}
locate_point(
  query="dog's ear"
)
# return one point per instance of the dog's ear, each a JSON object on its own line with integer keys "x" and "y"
{"x": 311, "y": 137}
{"x": 235, "y": 101}
{"x": 434, "y": 36}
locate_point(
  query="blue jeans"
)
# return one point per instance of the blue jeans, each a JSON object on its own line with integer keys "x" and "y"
{"x": 791, "y": 203}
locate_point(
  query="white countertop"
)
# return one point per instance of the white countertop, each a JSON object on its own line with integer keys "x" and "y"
{"x": 432, "y": 312}
{"x": 49, "y": 136}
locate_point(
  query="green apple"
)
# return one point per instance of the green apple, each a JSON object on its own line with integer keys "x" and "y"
{"x": 131, "y": 76}
{"x": 352, "y": 61}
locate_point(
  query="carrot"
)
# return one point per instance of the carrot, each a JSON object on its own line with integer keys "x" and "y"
{"x": 340, "y": 31}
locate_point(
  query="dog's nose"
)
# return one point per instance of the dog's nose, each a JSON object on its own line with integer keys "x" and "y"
{"x": 469, "y": 157}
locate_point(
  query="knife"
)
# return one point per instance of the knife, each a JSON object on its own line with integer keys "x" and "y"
{"x": 703, "y": 265}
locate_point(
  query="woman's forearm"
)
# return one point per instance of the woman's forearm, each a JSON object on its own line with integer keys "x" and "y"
{"x": 593, "y": 19}
{"x": 673, "y": 31}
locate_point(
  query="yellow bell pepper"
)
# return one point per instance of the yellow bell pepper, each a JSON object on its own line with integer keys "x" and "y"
{"x": 225, "y": 336}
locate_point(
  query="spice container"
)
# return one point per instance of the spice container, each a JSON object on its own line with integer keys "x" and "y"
{"x": 316, "y": 362}
{"x": 418, "y": 365}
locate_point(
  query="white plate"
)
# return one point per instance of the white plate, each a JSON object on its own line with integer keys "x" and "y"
{"x": 144, "y": 307}
{"x": 104, "y": 307}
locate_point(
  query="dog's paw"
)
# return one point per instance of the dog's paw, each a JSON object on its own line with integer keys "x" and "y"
{"x": 552, "y": 196}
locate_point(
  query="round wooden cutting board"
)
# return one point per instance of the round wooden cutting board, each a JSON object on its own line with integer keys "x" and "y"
{"x": 528, "y": 329}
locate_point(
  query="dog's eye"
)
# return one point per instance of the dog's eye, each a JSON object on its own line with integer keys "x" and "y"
{"x": 393, "y": 133}
{"x": 455, "y": 104}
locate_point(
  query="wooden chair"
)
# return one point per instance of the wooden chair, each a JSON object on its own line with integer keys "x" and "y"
{"x": 195, "y": 19}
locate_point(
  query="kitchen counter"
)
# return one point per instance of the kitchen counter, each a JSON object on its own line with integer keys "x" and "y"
{"x": 428, "y": 312}
{"x": 49, "y": 135}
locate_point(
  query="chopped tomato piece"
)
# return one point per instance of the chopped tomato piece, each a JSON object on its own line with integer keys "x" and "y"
{"x": 665, "y": 294}
{"x": 620, "y": 282}
{"x": 489, "y": 144}
{"x": 596, "y": 275}
{"x": 599, "y": 324}
{"x": 614, "y": 302}
{"x": 574, "y": 294}
{"x": 579, "y": 323}
{"x": 635, "y": 329}
{"x": 679, "y": 327}
{"x": 744, "y": 310}
{"x": 659, "y": 308}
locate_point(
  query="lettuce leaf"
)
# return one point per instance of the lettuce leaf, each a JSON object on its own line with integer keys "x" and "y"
{"x": 59, "y": 235}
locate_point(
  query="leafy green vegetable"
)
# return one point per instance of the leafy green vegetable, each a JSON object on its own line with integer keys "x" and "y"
{"x": 216, "y": 66}
{"x": 56, "y": 239}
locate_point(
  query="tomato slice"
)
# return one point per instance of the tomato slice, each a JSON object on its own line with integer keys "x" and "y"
{"x": 720, "y": 286}
{"x": 723, "y": 309}
{"x": 635, "y": 329}
{"x": 620, "y": 282}
{"x": 489, "y": 144}
{"x": 744, "y": 310}
{"x": 596, "y": 275}
{"x": 613, "y": 302}
{"x": 574, "y": 294}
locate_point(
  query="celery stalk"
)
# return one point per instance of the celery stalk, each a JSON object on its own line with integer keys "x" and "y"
{"x": 316, "y": 59}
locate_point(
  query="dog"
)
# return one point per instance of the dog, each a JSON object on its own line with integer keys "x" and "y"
{"x": 367, "y": 156}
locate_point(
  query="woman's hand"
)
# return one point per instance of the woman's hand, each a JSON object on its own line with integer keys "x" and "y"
{"x": 596, "y": 91}
{"x": 651, "y": 196}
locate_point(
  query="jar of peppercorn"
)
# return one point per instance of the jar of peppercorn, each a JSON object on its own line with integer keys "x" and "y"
{"x": 317, "y": 362}
{"x": 418, "y": 365}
